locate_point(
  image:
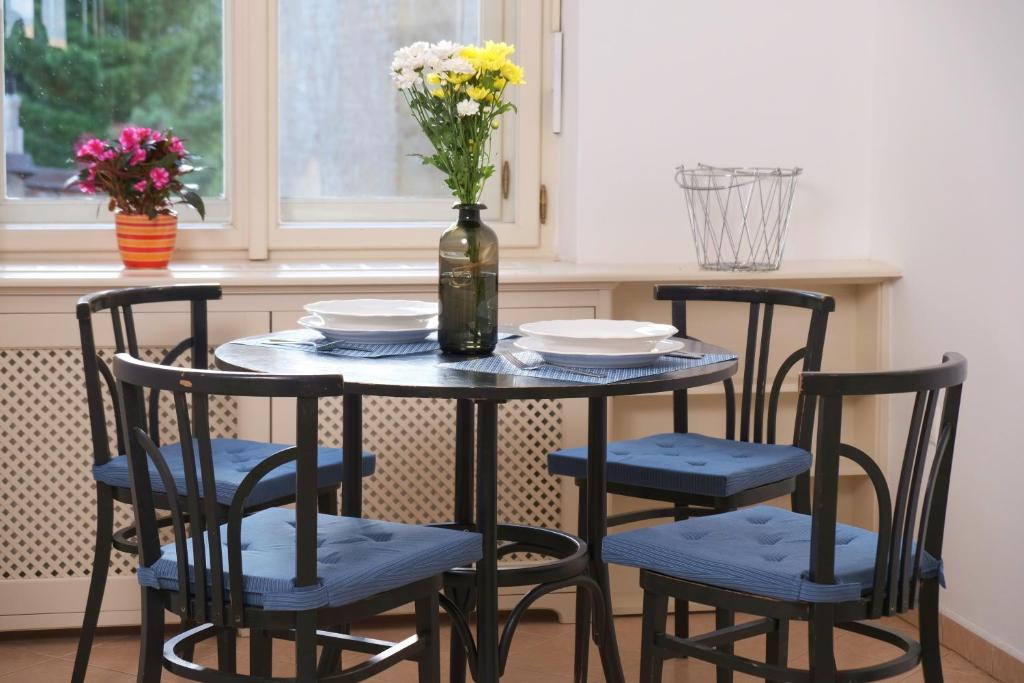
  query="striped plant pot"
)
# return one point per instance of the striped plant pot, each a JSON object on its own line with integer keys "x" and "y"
{"x": 145, "y": 242}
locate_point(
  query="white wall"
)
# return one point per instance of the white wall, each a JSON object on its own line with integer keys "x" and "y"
{"x": 656, "y": 83}
{"x": 909, "y": 120}
{"x": 947, "y": 205}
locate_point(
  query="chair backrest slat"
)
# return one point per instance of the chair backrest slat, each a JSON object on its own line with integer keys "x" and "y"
{"x": 756, "y": 419}
{"x": 913, "y": 520}
{"x": 120, "y": 304}
{"x": 216, "y": 586}
{"x": 762, "y": 373}
{"x": 749, "y": 358}
{"x": 196, "y": 512}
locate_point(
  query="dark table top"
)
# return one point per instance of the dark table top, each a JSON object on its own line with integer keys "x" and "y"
{"x": 422, "y": 376}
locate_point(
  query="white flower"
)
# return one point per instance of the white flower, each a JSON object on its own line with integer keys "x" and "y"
{"x": 467, "y": 107}
{"x": 406, "y": 79}
{"x": 458, "y": 65}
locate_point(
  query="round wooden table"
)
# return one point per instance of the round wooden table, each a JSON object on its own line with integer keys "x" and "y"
{"x": 477, "y": 395}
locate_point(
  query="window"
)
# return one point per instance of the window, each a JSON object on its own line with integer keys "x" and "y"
{"x": 86, "y": 68}
{"x": 309, "y": 77}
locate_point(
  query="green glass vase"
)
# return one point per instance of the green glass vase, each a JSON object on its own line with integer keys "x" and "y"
{"x": 468, "y": 285}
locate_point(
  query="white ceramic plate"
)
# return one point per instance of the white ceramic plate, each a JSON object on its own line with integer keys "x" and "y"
{"x": 597, "y": 359}
{"x": 407, "y": 336}
{"x": 586, "y": 334}
{"x": 374, "y": 314}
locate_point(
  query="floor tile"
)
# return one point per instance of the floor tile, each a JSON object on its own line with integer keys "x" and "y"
{"x": 542, "y": 652}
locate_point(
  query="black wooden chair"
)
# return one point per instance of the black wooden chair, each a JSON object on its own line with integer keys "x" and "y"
{"x": 233, "y": 458}
{"x": 701, "y": 475}
{"x": 282, "y": 573}
{"x": 783, "y": 565}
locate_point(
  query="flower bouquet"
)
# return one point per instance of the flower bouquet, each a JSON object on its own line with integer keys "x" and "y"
{"x": 141, "y": 173}
{"x": 457, "y": 95}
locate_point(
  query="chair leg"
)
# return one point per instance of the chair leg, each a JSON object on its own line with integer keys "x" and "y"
{"x": 682, "y": 616}
{"x": 330, "y": 655}
{"x": 655, "y": 616}
{"x": 723, "y": 619}
{"x": 465, "y": 600}
{"x": 327, "y": 502}
{"x": 151, "y": 645}
{"x": 777, "y": 644}
{"x": 800, "y": 499}
{"x": 928, "y": 619}
{"x": 98, "y": 580}
{"x": 227, "y": 651}
{"x": 427, "y": 629}
{"x": 305, "y": 647}
{"x": 261, "y": 653}
{"x": 821, "y": 645}
{"x": 581, "y": 650}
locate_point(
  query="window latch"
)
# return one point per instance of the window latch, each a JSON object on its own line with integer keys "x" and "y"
{"x": 506, "y": 179}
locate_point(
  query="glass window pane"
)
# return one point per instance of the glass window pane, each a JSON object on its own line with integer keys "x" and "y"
{"x": 87, "y": 68}
{"x": 344, "y": 132}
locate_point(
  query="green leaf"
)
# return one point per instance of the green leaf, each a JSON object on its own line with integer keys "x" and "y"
{"x": 193, "y": 199}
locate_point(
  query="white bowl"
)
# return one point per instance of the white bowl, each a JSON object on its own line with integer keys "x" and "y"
{"x": 596, "y": 335}
{"x": 599, "y": 359}
{"x": 374, "y": 314}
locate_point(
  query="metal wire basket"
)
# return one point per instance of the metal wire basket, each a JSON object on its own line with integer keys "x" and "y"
{"x": 739, "y": 216}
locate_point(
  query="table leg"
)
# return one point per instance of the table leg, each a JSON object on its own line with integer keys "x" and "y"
{"x": 597, "y": 527}
{"x": 487, "y": 526}
{"x": 463, "y": 515}
{"x": 352, "y": 443}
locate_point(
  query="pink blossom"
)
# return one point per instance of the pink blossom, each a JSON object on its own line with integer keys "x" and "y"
{"x": 87, "y": 187}
{"x": 177, "y": 147}
{"x": 140, "y": 186}
{"x": 160, "y": 177}
{"x": 92, "y": 148}
{"x": 138, "y": 156}
{"x": 132, "y": 137}
{"x": 157, "y": 136}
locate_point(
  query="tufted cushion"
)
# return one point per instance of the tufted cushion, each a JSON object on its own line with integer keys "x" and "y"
{"x": 689, "y": 463}
{"x": 232, "y": 460}
{"x": 762, "y": 550}
{"x": 356, "y": 558}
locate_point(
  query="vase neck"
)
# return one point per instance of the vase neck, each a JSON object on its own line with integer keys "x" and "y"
{"x": 469, "y": 213}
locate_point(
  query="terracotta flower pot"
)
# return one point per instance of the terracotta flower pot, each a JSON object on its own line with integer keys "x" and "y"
{"x": 146, "y": 242}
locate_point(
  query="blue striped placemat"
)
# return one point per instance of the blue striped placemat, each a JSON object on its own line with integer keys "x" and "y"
{"x": 499, "y": 366}
{"x": 313, "y": 342}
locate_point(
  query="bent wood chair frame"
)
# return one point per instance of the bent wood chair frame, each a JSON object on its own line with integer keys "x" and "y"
{"x": 910, "y": 524}
{"x": 213, "y": 598}
{"x": 121, "y": 305}
{"x": 758, "y": 410}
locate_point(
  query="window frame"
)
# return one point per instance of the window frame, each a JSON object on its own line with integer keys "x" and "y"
{"x": 247, "y": 221}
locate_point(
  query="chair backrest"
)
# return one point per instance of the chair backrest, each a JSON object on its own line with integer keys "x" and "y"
{"x": 913, "y": 521}
{"x": 207, "y": 599}
{"x": 757, "y": 419}
{"x": 121, "y": 303}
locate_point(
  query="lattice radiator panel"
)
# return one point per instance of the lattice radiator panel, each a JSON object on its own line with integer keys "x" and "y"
{"x": 414, "y": 440}
{"x": 47, "y": 497}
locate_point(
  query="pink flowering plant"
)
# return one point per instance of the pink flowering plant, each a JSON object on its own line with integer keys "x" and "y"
{"x": 140, "y": 171}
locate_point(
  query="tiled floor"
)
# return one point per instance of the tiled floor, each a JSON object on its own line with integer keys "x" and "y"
{"x": 541, "y": 653}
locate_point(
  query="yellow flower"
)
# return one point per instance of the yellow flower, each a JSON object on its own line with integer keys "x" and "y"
{"x": 458, "y": 78}
{"x": 439, "y": 93}
{"x": 495, "y": 123}
{"x": 477, "y": 93}
{"x": 433, "y": 79}
{"x": 499, "y": 83}
{"x": 513, "y": 73}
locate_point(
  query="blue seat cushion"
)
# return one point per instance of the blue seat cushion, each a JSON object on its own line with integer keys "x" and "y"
{"x": 689, "y": 463}
{"x": 761, "y": 550}
{"x": 356, "y": 558}
{"x": 233, "y": 459}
